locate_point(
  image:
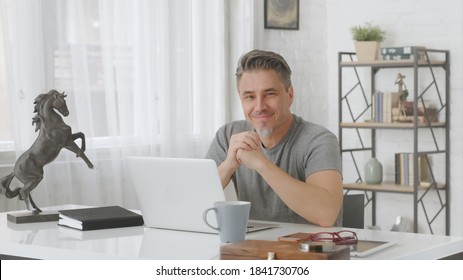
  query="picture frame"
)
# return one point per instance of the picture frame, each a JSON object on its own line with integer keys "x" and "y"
{"x": 281, "y": 14}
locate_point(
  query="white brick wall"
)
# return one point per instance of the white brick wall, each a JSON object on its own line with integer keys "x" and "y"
{"x": 312, "y": 53}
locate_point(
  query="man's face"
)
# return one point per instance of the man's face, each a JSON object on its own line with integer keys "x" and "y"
{"x": 265, "y": 101}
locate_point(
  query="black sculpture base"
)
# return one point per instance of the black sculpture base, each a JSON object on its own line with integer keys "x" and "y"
{"x": 24, "y": 218}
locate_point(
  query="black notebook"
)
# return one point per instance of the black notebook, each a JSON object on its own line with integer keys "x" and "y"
{"x": 99, "y": 218}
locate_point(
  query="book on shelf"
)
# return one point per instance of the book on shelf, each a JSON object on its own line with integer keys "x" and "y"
{"x": 403, "y": 53}
{"x": 405, "y": 50}
{"x": 384, "y": 104}
{"x": 377, "y": 106}
{"x": 404, "y": 169}
{"x": 396, "y": 56}
{"x": 99, "y": 218}
{"x": 421, "y": 57}
{"x": 423, "y": 113}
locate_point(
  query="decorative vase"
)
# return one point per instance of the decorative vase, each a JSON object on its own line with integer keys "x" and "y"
{"x": 373, "y": 172}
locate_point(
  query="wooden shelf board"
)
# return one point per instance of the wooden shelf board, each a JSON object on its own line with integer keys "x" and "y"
{"x": 392, "y": 63}
{"x": 386, "y": 187}
{"x": 394, "y": 125}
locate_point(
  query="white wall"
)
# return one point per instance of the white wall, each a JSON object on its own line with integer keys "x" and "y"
{"x": 324, "y": 31}
{"x": 305, "y": 51}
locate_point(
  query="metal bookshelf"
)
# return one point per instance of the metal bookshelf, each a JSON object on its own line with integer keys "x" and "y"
{"x": 351, "y": 117}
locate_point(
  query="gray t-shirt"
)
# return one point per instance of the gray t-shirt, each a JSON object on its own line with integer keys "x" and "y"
{"x": 306, "y": 149}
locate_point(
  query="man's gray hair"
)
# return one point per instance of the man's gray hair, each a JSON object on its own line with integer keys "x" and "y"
{"x": 264, "y": 60}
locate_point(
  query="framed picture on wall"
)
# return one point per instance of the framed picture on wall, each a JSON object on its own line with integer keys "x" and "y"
{"x": 281, "y": 14}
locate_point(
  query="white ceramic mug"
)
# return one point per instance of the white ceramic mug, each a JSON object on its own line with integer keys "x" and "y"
{"x": 232, "y": 219}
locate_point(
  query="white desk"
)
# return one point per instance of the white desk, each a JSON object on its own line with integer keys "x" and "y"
{"x": 50, "y": 241}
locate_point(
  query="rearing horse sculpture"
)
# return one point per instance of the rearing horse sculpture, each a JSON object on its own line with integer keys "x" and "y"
{"x": 53, "y": 136}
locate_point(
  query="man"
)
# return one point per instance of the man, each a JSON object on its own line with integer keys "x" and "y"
{"x": 288, "y": 168}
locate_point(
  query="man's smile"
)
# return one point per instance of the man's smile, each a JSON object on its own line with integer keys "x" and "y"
{"x": 262, "y": 117}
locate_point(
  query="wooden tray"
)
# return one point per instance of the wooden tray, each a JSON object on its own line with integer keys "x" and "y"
{"x": 260, "y": 249}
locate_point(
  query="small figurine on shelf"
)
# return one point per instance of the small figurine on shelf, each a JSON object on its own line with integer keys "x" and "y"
{"x": 403, "y": 93}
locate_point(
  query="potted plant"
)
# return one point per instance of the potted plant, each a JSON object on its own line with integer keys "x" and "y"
{"x": 367, "y": 39}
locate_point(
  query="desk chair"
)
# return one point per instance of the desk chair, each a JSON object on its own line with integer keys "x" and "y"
{"x": 353, "y": 213}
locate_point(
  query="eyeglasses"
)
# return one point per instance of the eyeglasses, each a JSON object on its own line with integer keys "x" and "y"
{"x": 343, "y": 237}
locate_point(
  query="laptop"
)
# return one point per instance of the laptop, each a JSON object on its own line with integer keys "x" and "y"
{"x": 174, "y": 192}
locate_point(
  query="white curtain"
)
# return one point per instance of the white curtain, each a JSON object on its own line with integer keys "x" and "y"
{"x": 141, "y": 77}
